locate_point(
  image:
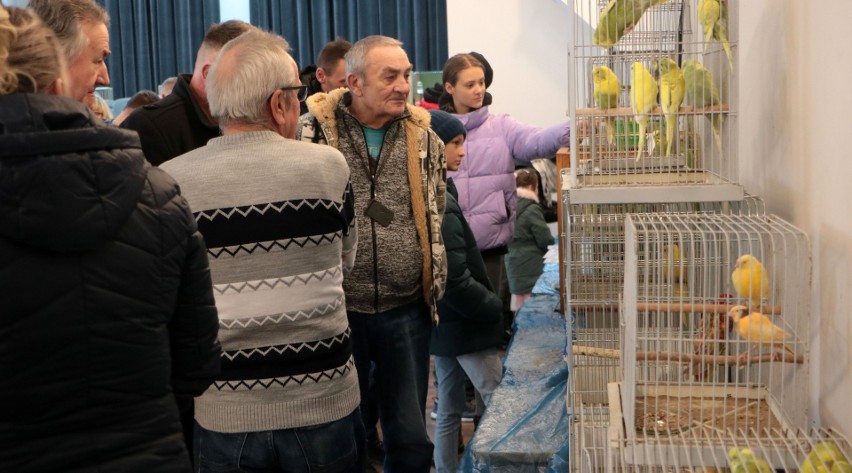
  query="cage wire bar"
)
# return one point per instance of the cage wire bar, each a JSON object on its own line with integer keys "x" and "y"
{"x": 711, "y": 353}
{"x": 607, "y": 151}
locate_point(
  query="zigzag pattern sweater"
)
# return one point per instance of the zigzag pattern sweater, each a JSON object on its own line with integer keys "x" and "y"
{"x": 277, "y": 216}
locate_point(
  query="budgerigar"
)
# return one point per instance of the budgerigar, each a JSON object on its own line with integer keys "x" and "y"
{"x": 744, "y": 460}
{"x": 607, "y": 91}
{"x": 672, "y": 90}
{"x": 826, "y": 457}
{"x": 757, "y": 329}
{"x": 643, "y": 97}
{"x": 618, "y": 18}
{"x": 713, "y": 15}
{"x": 701, "y": 90}
{"x": 750, "y": 279}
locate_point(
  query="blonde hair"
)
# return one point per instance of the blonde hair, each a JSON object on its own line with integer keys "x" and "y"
{"x": 100, "y": 108}
{"x": 31, "y": 58}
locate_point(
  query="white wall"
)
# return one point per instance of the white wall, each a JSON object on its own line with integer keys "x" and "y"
{"x": 234, "y": 10}
{"x": 793, "y": 127}
{"x": 526, "y": 43}
{"x": 792, "y": 70}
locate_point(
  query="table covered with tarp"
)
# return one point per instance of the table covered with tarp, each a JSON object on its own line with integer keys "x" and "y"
{"x": 525, "y": 428}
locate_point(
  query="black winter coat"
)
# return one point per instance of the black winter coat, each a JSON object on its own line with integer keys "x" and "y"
{"x": 106, "y": 303}
{"x": 470, "y": 313}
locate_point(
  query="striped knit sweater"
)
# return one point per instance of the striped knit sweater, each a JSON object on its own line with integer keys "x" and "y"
{"x": 277, "y": 218}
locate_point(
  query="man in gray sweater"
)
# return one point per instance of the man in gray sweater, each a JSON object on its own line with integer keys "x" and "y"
{"x": 278, "y": 218}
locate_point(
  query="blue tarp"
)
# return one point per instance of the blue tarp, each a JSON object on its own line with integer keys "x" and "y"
{"x": 525, "y": 428}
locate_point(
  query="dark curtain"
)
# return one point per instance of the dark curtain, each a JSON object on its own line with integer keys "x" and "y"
{"x": 154, "y": 39}
{"x": 308, "y": 25}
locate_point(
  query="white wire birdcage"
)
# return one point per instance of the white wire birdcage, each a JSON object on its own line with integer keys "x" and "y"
{"x": 588, "y": 440}
{"x": 594, "y": 281}
{"x": 693, "y": 147}
{"x": 711, "y": 339}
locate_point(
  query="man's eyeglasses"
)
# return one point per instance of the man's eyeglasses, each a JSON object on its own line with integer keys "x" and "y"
{"x": 301, "y": 92}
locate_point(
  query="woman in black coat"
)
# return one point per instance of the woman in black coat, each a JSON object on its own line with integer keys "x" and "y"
{"x": 107, "y": 311}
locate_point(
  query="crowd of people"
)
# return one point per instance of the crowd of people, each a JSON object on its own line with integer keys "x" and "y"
{"x": 247, "y": 272}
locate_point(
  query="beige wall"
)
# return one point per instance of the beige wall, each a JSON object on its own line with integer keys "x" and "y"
{"x": 794, "y": 62}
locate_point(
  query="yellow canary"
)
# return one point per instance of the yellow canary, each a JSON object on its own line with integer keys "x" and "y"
{"x": 643, "y": 97}
{"x": 758, "y": 329}
{"x": 825, "y": 457}
{"x": 743, "y": 460}
{"x": 607, "y": 90}
{"x": 750, "y": 279}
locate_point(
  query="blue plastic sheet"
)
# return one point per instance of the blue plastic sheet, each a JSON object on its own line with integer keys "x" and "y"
{"x": 525, "y": 428}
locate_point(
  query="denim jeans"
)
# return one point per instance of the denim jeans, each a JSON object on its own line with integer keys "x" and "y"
{"x": 328, "y": 448}
{"x": 397, "y": 341}
{"x": 484, "y": 370}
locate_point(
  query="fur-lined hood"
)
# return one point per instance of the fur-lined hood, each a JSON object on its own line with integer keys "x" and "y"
{"x": 525, "y": 193}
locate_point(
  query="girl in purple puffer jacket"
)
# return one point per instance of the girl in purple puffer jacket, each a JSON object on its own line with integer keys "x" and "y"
{"x": 485, "y": 180}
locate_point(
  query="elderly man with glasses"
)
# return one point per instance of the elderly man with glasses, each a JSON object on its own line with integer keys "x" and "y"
{"x": 278, "y": 218}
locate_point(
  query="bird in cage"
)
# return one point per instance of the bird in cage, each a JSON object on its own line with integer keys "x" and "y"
{"x": 643, "y": 97}
{"x": 826, "y": 457}
{"x": 607, "y": 91}
{"x": 758, "y": 330}
{"x": 713, "y": 16}
{"x": 672, "y": 91}
{"x": 618, "y": 18}
{"x": 750, "y": 279}
{"x": 744, "y": 460}
{"x": 702, "y": 92}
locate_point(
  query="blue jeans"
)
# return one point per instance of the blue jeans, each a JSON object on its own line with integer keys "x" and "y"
{"x": 397, "y": 341}
{"x": 484, "y": 370}
{"x": 335, "y": 447}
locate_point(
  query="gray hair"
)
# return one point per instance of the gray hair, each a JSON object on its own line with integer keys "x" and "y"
{"x": 356, "y": 58}
{"x": 66, "y": 17}
{"x": 240, "y": 92}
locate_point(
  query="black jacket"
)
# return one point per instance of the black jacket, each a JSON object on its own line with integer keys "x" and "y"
{"x": 106, "y": 304}
{"x": 172, "y": 126}
{"x": 470, "y": 313}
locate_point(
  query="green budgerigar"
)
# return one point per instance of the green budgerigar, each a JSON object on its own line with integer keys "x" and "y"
{"x": 701, "y": 91}
{"x": 607, "y": 91}
{"x": 744, "y": 460}
{"x": 618, "y": 18}
{"x": 713, "y": 16}
{"x": 643, "y": 97}
{"x": 672, "y": 90}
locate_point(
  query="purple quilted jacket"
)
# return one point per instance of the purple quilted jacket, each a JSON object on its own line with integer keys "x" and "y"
{"x": 485, "y": 180}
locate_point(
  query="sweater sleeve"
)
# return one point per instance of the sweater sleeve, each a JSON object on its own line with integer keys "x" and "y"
{"x": 540, "y": 230}
{"x": 528, "y": 142}
{"x": 464, "y": 294}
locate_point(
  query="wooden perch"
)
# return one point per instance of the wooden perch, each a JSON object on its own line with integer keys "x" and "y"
{"x": 628, "y": 111}
{"x": 689, "y": 357}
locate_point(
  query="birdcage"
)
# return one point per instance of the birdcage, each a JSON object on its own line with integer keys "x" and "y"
{"x": 703, "y": 449}
{"x": 588, "y": 451}
{"x": 715, "y": 311}
{"x": 594, "y": 283}
{"x": 685, "y": 137}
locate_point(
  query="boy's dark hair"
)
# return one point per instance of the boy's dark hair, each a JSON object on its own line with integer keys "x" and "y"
{"x": 526, "y": 177}
{"x": 142, "y": 98}
{"x": 333, "y": 52}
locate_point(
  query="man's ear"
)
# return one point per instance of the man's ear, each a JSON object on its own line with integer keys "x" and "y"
{"x": 57, "y": 87}
{"x": 354, "y": 82}
{"x": 321, "y": 75}
{"x": 205, "y": 69}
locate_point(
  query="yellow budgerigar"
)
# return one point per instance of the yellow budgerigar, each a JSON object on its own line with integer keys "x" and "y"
{"x": 713, "y": 15}
{"x": 702, "y": 92}
{"x": 757, "y": 329}
{"x": 672, "y": 91}
{"x": 750, "y": 279}
{"x": 607, "y": 91}
{"x": 744, "y": 460}
{"x": 826, "y": 457}
{"x": 619, "y": 17}
{"x": 643, "y": 97}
